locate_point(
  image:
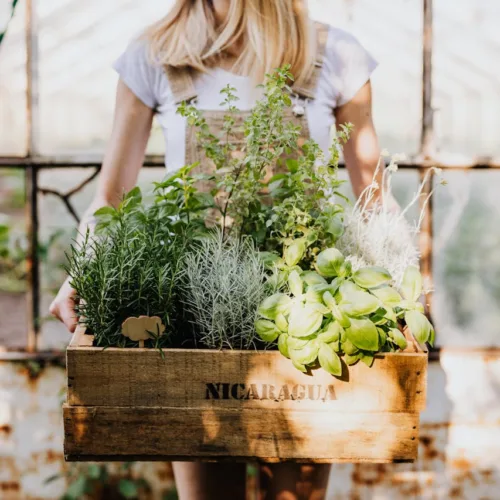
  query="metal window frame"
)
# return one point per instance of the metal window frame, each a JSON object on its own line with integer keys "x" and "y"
{"x": 33, "y": 162}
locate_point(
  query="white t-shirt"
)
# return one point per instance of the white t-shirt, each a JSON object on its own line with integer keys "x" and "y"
{"x": 347, "y": 67}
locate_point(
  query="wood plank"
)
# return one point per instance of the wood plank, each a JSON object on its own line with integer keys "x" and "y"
{"x": 216, "y": 434}
{"x": 240, "y": 379}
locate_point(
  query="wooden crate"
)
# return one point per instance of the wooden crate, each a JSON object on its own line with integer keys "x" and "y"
{"x": 132, "y": 404}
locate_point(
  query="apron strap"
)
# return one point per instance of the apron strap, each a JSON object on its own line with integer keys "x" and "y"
{"x": 182, "y": 84}
{"x": 307, "y": 88}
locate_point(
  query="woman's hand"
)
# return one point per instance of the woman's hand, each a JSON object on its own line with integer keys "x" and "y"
{"x": 123, "y": 159}
{"x": 63, "y": 306}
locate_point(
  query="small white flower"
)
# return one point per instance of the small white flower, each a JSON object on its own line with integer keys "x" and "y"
{"x": 398, "y": 157}
{"x": 438, "y": 171}
{"x": 392, "y": 167}
{"x": 385, "y": 152}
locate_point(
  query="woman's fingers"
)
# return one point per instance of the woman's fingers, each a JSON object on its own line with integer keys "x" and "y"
{"x": 63, "y": 306}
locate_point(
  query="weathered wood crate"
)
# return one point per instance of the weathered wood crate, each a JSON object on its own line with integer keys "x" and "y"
{"x": 132, "y": 404}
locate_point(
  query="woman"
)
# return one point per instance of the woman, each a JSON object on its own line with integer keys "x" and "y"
{"x": 197, "y": 49}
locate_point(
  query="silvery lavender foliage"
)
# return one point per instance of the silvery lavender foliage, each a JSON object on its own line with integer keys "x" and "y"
{"x": 224, "y": 282}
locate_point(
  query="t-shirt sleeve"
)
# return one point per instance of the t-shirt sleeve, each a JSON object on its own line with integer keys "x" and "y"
{"x": 138, "y": 74}
{"x": 351, "y": 63}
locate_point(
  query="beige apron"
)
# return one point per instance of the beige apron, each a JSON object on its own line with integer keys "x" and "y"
{"x": 181, "y": 82}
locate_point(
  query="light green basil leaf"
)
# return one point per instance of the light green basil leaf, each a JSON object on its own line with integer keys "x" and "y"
{"x": 432, "y": 337}
{"x": 313, "y": 278}
{"x": 294, "y": 252}
{"x": 349, "y": 348}
{"x": 307, "y": 354}
{"x": 295, "y": 283}
{"x": 367, "y": 359}
{"x": 299, "y": 367}
{"x": 266, "y": 330}
{"x": 329, "y": 360}
{"x": 274, "y": 305}
{"x": 351, "y": 359}
{"x": 399, "y": 339}
{"x": 382, "y": 336}
{"x": 345, "y": 269}
{"x": 371, "y": 277}
{"x": 318, "y": 306}
{"x": 283, "y": 345}
{"x": 359, "y": 304}
{"x": 328, "y": 262}
{"x": 363, "y": 334}
{"x": 281, "y": 322}
{"x": 388, "y": 295}
{"x": 419, "y": 307}
{"x": 411, "y": 288}
{"x": 340, "y": 316}
{"x": 420, "y": 327}
{"x": 304, "y": 320}
{"x": 347, "y": 287}
{"x": 295, "y": 343}
{"x": 408, "y": 305}
{"x": 331, "y": 333}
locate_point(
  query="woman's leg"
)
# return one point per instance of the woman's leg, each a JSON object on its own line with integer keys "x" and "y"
{"x": 294, "y": 482}
{"x": 210, "y": 481}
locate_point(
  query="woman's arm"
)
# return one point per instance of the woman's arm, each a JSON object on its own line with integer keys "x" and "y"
{"x": 361, "y": 152}
{"x": 122, "y": 161}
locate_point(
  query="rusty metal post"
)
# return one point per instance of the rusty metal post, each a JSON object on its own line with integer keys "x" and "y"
{"x": 427, "y": 146}
{"x": 31, "y": 180}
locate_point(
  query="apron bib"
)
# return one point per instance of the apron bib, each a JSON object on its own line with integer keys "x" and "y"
{"x": 181, "y": 81}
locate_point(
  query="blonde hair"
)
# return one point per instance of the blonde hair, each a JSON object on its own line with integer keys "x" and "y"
{"x": 272, "y": 33}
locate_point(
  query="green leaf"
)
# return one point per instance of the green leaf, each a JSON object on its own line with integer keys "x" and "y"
{"x": 382, "y": 336}
{"x": 359, "y": 304}
{"x": 292, "y": 165}
{"x": 313, "y": 278}
{"x": 352, "y": 359}
{"x": 304, "y": 320}
{"x": 294, "y": 252}
{"x": 270, "y": 259}
{"x": 307, "y": 354}
{"x": 432, "y": 337}
{"x": 329, "y": 360}
{"x": 411, "y": 288}
{"x": 274, "y": 305}
{"x": 349, "y": 348}
{"x": 128, "y": 488}
{"x": 281, "y": 322}
{"x": 371, "y": 277}
{"x": 367, "y": 359}
{"x": 267, "y": 330}
{"x": 363, "y": 334}
{"x": 399, "y": 339}
{"x": 328, "y": 262}
{"x": 295, "y": 283}
{"x": 105, "y": 211}
{"x": 331, "y": 333}
{"x": 77, "y": 488}
{"x": 299, "y": 367}
{"x": 296, "y": 343}
{"x": 388, "y": 295}
{"x": 94, "y": 471}
{"x": 420, "y": 327}
{"x": 334, "y": 226}
{"x": 283, "y": 345}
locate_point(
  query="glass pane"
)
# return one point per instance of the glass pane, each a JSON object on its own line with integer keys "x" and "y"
{"x": 13, "y": 123}
{"x": 467, "y": 259}
{"x": 13, "y": 306}
{"x": 396, "y": 42}
{"x": 57, "y": 229}
{"x": 467, "y": 79}
{"x": 78, "y": 43}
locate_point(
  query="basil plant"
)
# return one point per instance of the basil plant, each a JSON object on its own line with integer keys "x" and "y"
{"x": 331, "y": 312}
